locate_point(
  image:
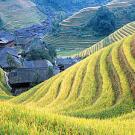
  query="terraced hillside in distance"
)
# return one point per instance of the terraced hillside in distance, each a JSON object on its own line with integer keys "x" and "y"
{"x": 94, "y": 97}
{"x": 121, "y": 33}
{"x": 73, "y": 39}
{"x": 67, "y": 44}
{"x": 69, "y": 41}
{"x": 82, "y": 16}
{"x": 19, "y": 14}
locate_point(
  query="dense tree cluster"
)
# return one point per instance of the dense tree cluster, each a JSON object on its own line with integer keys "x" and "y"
{"x": 39, "y": 50}
{"x": 37, "y": 54}
{"x": 103, "y": 22}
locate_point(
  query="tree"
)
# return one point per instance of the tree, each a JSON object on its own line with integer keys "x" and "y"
{"x": 103, "y": 22}
{"x": 55, "y": 27}
{"x": 38, "y": 50}
{"x": 38, "y": 54}
{"x": 52, "y": 51}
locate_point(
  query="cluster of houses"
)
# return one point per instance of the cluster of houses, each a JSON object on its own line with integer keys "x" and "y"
{"x": 23, "y": 74}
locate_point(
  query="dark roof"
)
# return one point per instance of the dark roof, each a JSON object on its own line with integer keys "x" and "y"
{"x": 21, "y": 75}
{"x": 6, "y": 37}
{"x": 4, "y": 41}
{"x": 31, "y": 71}
{"x": 65, "y": 61}
{"x": 4, "y": 52}
{"x": 35, "y": 43}
{"x": 37, "y": 64}
{"x": 8, "y": 50}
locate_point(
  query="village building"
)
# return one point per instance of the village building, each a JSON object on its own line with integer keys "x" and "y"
{"x": 31, "y": 73}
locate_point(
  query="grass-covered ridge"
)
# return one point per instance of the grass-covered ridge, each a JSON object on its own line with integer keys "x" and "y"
{"x": 94, "y": 97}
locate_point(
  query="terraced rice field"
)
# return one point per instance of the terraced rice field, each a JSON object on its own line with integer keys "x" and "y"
{"x": 94, "y": 97}
{"x": 61, "y": 41}
{"x": 78, "y": 18}
{"x": 121, "y": 33}
{"x": 82, "y": 17}
{"x": 70, "y": 40}
{"x": 68, "y": 43}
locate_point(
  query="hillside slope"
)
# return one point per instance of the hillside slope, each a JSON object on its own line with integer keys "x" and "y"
{"x": 101, "y": 84}
{"x": 121, "y": 33}
{"x": 19, "y": 14}
{"x": 100, "y": 88}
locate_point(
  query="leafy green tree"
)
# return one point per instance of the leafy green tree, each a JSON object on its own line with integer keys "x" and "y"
{"x": 38, "y": 50}
{"x": 38, "y": 54}
{"x": 52, "y": 51}
{"x": 55, "y": 28}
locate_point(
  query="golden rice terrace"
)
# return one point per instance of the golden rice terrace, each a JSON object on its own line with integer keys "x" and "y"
{"x": 93, "y": 97}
